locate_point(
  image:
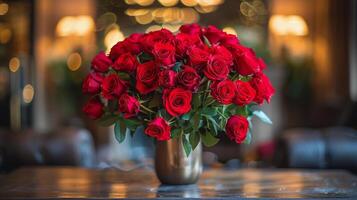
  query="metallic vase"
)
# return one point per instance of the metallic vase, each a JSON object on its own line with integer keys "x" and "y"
{"x": 173, "y": 167}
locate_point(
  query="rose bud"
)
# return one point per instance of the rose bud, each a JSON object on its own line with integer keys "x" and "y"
{"x": 245, "y": 93}
{"x": 237, "y": 128}
{"x": 177, "y": 101}
{"x": 184, "y": 42}
{"x": 229, "y": 40}
{"x": 113, "y": 87}
{"x": 164, "y": 54}
{"x": 246, "y": 63}
{"x": 263, "y": 88}
{"x": 161, "y": 36}
{"x": 191, "y": 29}
{"x": 159, "y": 129}
{"x": 188, "y": 78}
{"x": 222, "y": 52}
{"x": 223, "y": 91}
{"x": 101, "y": 62}
{"x": 128, "y": 105}
{"x": 147, "y": 77}
{"x": 213, "y": 34}
{"x": 217, "y": 69}
{"x": 93, "y": 108}
{"x": 198, "y": 57}
{"x": 92, "y": 83}
{"x": 167, "y": 78}
{"x": 126, "y": 62}
{"x": 118, "y": 49}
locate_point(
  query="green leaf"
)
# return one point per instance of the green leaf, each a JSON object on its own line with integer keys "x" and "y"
{"x": 196, "y": 101}
{"x": 194, "y": 139}
{"x": 143, "y": 57}
{"x": 131, "y": 123}
{"x": 186, "y": 116}
{"x": 175, "y": 132}
{"x": 108, "y": 119}
{"x": 248, "y": 138}
{"x": 242, "y": 110}
{"x": 196, "y": 121}
{"x": 209, "y": 111}
{"x": 120, "y": 131}
{"x": 208, "y": 139}
{"x": 212, "y": 123}
{"x": 186, "y": 145}
{"x": 124, "y": 76}
{"x": 262, "y": 116}
{"x": 177, "y": 66}
{"x": 207, "y": 42}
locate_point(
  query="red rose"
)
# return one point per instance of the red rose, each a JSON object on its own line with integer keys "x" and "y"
{"x": 217, "y": 69}
{"x": 132, "y": 43}
{"x": 167, "y": 78}
{"x": 246, "y": 63}
{"x": 188, "y": 78}
{"x": 198, "y": 57}
{"x": 191, "y": 29}
{"x": 159, "y": 129}
{"x": 113, "y": 87}
{"x": 161, "y": 36}
{"x": 223, "y": 91}
{"x": 177, "y": 101}
{"x": 245, "y": 93}
{"x": 118, "y": 49}
{"x": 147, "y": 77}
{"x": 213, "y": 34}
{"x": 164, "y": 54}
{"x": 229, "y": 40}
{"x": 126, "y": 62}
{"x": 128, "y": 105}
{"x": 237, "y": 128}
{"x": 93, "y": 108}
{"x": 264, "y": 89}
{"x": 101, "y": 62}
{"x": 223, "y": 53}
{"x": 184, "y": 42}
{"x": 92, "y": 83}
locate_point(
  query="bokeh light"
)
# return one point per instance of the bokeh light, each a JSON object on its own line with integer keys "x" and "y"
{"x": 75, "y": 26}
{"x": 14, "y": 64}
{"x": 74, "y": 61}
{"x": 230, "y": 30}
{"x": 113, "y": 36}
{"x": 28, "y": 93}
{"x": 4, "y": 8}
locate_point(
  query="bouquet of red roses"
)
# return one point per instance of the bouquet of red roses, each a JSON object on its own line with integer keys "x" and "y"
{"x": 196, "y": 85}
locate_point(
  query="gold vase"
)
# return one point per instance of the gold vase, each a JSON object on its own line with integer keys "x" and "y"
{"x": 173, "y": 167}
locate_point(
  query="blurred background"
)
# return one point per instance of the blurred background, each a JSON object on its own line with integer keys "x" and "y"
{"x": 310, "y": 47}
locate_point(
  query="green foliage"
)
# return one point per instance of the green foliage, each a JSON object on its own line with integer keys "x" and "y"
{"x": 194, "y": 139}
{"x": 262, "y": 116}
{"x": 208, "y": 139}
{"x": 108, "y": 119}
{"x": 144, "y": 57}
{"x": 186, "y": 145}
{"x": 120, "y": 130}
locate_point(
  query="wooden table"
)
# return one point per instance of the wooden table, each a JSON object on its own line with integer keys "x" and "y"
{"x": 70, "y": 182}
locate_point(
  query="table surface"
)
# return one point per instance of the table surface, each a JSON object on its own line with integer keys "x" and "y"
{"x": 81, "y": 183}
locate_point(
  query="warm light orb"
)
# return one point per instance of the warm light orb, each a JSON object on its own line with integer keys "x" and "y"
{"x": 112, "y": 37}
{"x": 4, "y": 8}
{"x": 168, "y": 3}
{"x": 288, "y": 25}
{"x": 189, "y": 3}
{"x": 28, "y": 93}
{"x": 230, "y": 30}
{"x": 5, "y": 35}
{"x": 74, "y": 61}
{"x": 144, "y": 2}
{"x": 14, "y": 64}
{"x": 153, "y": 28}
{"x": 75, "y": 25}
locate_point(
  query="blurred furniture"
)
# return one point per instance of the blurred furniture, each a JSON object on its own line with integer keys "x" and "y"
{"x": 332, "y": 148}
{"x": 67, "y": 146}
{"x": 80, "y": 183}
